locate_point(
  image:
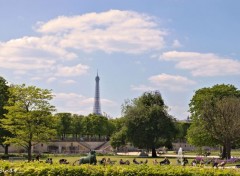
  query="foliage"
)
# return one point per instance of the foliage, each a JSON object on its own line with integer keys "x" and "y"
{"x": 214, "y": 114}
{"x": 64, "y": 124}
{"x": 119, "y": 138}
{"x": 77, "y": 126}
{"x": 29, "y": 116}
{"x": 199, "y": 136}
{"x": 182, "y": 128}
{"x": 43, "y": 169}
{"x": 4, "y": 95}
{"x": 147, "y": 122}
{"x": 98, "y": 124}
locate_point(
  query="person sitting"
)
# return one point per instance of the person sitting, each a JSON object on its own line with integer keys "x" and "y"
{"x": 63, "y": 161}
{"x": 202, "y": 162}
{"x": 109, "y": 161}
{"x": 155, "y": 162}
{"x": 127, "y": 162}
{"x": 103, "y": 161}
{"x": 49, "y": 160}
{"x": 194, "y": 162}
{"x": 222, "y": 164}
{"x": 185, "y": 161}
{"x": 121, "y": 162}
{"x": 165, "y": 162}
{"x": 215, "y": 163}
{"x": 38, "y": 157}
{"x": 135, "y": 161}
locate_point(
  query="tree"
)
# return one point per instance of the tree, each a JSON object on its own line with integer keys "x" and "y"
{"x": 148, "y": 124}
{"x": 119, "y": 138}
{"x": 182, "y": 128}
{"x": 64, "y": 124}
{"x": 4, "y": 95}
{"x": 99, "y": 125}
{"x": 77, "y": 125}
{"x": 29, "y": 116}
{"x": 205, "y": 104}
{"x": 223, "y": 119}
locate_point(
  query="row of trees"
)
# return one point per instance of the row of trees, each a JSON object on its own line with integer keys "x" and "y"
{"x": 76, "y": 126}
{"x": 26, "y": 118}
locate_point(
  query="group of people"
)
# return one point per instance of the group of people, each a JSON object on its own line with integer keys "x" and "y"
{"x": 61, "y": 161}
{"x": 105, "y": 161}
{"x": 215, "y": 163}
{"x": 49, "y": 160}
{"x": 140, "y": 162}
{"x": 163, "y": 162}
{"x": 127, "y": 162}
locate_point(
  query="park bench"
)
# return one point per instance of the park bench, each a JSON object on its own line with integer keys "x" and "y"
{"x": 16, "y": 158}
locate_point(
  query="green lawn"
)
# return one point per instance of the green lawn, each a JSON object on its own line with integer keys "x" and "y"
{"x": 72, "y": 159}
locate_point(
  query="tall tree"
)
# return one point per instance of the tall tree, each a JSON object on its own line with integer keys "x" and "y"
{"x": 99, "y": 125}
{"x": 204, "y": 102}
{"x": 147, "y": 122}
{"x": 29, "y": 116}
{"x": 77, "y": 125}
{"x": 182, "y": 128}
{"x": 64, "y": 124}
{"x": 4, "y": 95}
{"x": 119, "y": 138}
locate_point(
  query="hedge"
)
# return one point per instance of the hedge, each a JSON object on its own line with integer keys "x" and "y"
{"x": 43, "y": 169}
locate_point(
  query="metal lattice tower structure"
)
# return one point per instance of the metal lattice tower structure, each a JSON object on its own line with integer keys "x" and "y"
{"x": 97, "y": 107}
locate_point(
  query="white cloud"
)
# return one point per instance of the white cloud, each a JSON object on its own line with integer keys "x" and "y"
{"x": 111, "y": 31}
{"x": 203, "y": 64}
{"x": 36, "y": 78}
{"x": 51, "y": 79}
{"x": 180, "y": 112}
{"x": 32, "y": 53}
{"x": 176, "y": 44}
{"x": 142, "y": 88}
{"x": 72, "y": 71}
{"x": 70, "y": 81}
{"x": 171, "y": 82}
{"x": 75, "y": 103}
{"x": 165, "y": 82}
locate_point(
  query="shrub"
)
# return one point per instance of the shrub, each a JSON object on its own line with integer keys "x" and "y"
{"x": 43, "y": 169}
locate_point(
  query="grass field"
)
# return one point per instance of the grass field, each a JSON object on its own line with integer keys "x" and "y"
{"x": 171, "y": 156}
{"x": 116, "y": 158}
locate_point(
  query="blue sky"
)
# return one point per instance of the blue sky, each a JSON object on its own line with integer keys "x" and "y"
{"x": 174, "y": 46}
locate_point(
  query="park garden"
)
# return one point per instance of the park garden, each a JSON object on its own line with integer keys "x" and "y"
{"x": 27, "y": 118}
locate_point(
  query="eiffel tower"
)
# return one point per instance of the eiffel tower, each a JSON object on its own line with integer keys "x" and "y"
{"x": 97, "y": 107}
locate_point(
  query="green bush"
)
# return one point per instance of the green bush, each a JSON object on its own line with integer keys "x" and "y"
{"x": 43, "y": 169}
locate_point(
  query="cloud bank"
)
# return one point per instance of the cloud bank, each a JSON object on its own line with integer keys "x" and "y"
{"x": 200, "y": 64}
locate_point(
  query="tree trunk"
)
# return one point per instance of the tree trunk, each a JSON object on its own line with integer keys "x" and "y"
{"x": 6, "y": 149}
{"x": 154, "y": 153}
{"x": 29, "y": 150}
{"x": 228, "y": 150}
{"x": 224, "y": 154}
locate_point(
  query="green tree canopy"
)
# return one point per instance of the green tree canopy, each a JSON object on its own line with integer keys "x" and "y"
{"x": 207, "y": 117}
{"x": 4, "y": 95}
{"x": 77, "y": 125}
{"x": 64, "y": 124}
{"x": 29, "y": 116}
{"x": 147, "y": 122}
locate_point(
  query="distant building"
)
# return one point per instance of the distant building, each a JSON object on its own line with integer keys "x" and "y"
{"x": 97, "y": 107}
